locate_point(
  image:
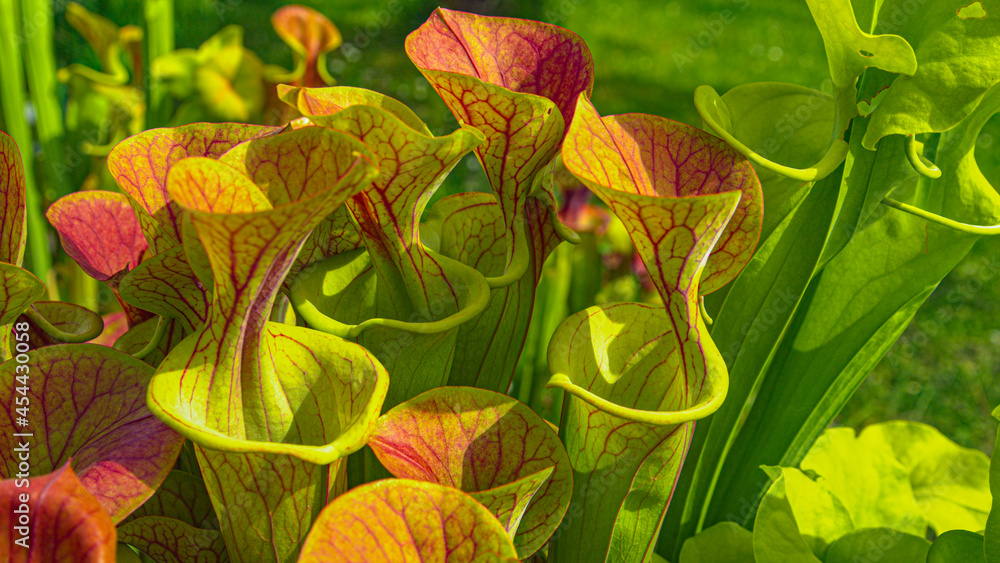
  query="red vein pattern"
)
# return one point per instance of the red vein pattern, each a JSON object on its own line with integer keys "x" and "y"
{"x": 638, "y": 375}
{"x": 88, "y": 404}
{"x": 482, "y": 442}
{"x": 403, "y": 521}
{"x": 310, "y": 34}
{"x": 272, "y": 408}
{"x": 140, "y": 165}
{"x": 66, "y": 523}
{"x": 13, "y": 224}
{"x": 514, "y": 80}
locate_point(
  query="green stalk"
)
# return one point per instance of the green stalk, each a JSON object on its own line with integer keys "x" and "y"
{"x": 41, "y": 70}
{"x": 13, "y": 100}
{"x": 159, "y": 41}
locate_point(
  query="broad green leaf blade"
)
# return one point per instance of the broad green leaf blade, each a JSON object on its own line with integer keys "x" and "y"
{"x": 748, "y": 329}
{"x": 480, "y": 441}
{"x": 311, "y": 35}
{"x": 64, "y": 521}
{"x": 956, "y": 65}
{"x": 87, "y": 404}
{"x": 13, "y": 231}
{"x": 403, "y": 521}
{"x": 166, "y": 540}
{"x": 951, "y": 483}
{"x": 850, "y": 50}
{"x": 797, "y": 520}
{"x": 517, "y": 82}
{"x": 854, "y": 310}
{"x": 469, "y": 227}
{"x": 958, "y": 546}
{"x": 887, "y": 544}
{"x": 627, "y": 159}
{"x": 99, "y": 231}
{"x": 140, "y": 165}
{"x": 872, "y": 485}
{"x": 725, "y": 541}
{"x": 635, "y": 384}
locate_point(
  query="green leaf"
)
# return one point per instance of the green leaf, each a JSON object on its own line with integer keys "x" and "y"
{"x": 956, "y": 65}
{"x": 853, "y": 311}
{"x": 747, "y": 112}
{"x": 488, "y": 445}
{"x": 402, "y": 520}
{"x": 958, "y": 546}
{"x": 183, "y": 497}
{"x": 850, "y": 50}
{"x": 167, "y": 285}
{"x": 887, "y": 545}
{"x": 873, "y": 486}
{"x": 166, "y": 540}
{"x": 951, "y": 483}
{"x": 991, "y": 534}
{"x": 797, "y": 520}
{"x": 64, "y": 521}
{"x": 725, "y": 541}
{"x": 87, "y": 404}
{"x": 65, "y": 321}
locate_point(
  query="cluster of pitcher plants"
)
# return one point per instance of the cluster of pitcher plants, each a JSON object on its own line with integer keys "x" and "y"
{"x": 288, "y": 297}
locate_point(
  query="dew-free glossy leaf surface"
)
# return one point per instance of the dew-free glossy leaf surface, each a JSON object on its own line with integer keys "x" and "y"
{"x": 88, "y": 405}
{"x": 167, "y": 285}
{"x": 958, "y": 546}
{"x": 66, "y": 523}
{"x": 140, "y": 165}
{"x": 99, "y": 231}
{"x": 404, "y": 521}
{"x": 481, "y": 442}
{"x": 797, "y": 520}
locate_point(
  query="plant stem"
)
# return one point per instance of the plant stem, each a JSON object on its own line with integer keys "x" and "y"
{"x": 159, "y": 41}
{"x": 41, "y": 70}
{"x": 13, "y": 100}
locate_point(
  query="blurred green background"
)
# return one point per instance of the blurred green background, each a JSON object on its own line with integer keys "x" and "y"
{"x": 649, "y": 57}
